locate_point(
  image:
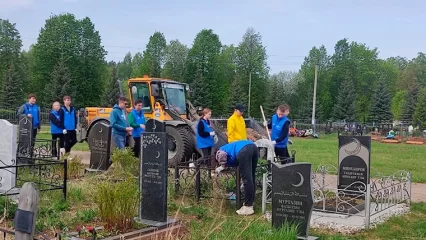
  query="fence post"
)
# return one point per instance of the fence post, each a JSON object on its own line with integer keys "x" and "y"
{"x": 26, "y": 215}
{"x": 367, "y": 207}
{"x": 238, "y": 183}
{"x": 177, "y": 179}
{"x": 197, "y": 182}
{"x": 264, "y": 192}
{"x": 65, "y": 178}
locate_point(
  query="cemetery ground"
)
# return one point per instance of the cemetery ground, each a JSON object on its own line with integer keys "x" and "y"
{"x": 216, "y": 218}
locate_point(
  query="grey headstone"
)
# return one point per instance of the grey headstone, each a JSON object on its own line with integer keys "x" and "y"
{"x": 153, "y": 176}
{"x": 100, "y": 146}
{"x": 7, "y": 155}
{"x": 25, "y": 136}
{"x": 265, "y": 143}
{"x": 354, "y": 163}
{"x": 292, "y": 196}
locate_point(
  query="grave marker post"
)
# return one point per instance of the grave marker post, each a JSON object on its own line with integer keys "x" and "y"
{"x": 25, "y": 136}
{"x": 26, "y": 215}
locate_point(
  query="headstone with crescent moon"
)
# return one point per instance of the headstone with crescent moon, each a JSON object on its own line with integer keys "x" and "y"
{"x": 25, "y": 136}
{"x": 354, "y": 164}
{"x": 100, "y": 147}
{"x": 154, "y": 125}
{"x": 292, "y": 196}
{"x": 153, "y": 178}
{"x": 7, "y": 155}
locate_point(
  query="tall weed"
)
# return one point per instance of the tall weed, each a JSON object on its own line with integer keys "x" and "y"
{"x": 125, "y": 164}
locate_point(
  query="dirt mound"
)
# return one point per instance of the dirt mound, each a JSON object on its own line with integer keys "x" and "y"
{"x": 417, "y": 139}
{"x": 251, "y": 135}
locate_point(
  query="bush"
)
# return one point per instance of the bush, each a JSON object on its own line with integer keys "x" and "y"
{"x": 125, "y": 164}
{"x": 117, "y": 203}
{"x": 7, "y": 208}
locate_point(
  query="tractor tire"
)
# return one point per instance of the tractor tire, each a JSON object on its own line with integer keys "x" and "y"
{"x": 180, "y": 144}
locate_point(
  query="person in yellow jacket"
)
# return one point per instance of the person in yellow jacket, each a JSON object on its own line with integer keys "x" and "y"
{"x": 236, "y": 127}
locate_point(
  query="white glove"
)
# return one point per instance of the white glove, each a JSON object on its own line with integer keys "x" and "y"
{"x": 265, "y": 124}
{"x": 273, "y": 142}
{"x": 215, "y": 139}
{"x": 64, "y": 131}
{"x": 219, "y": 169}
{"x": 290, "y": 142}
{"x": 212, "y": 133}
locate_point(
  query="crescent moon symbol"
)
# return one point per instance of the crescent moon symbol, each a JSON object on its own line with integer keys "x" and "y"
{"x": 158, "y": 154}
{"x": 154, "y": 126}
{"x": 100, "y": 131}
{"x": 301, "y": 180}
{"x": 356, "y": 150}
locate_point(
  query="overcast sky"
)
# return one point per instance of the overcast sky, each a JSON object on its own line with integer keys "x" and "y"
{"x": 289, "y": 28}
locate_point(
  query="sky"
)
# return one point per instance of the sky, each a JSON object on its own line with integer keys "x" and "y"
{"x": 289, "y": 29}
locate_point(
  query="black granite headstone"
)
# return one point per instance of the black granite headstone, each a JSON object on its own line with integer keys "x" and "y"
{"x": 153, "y": 176}
{"x": 100, "y": 146}
{"x": 25, "y": 135}
{"x": 354, "y": 163}
{"x": 292, "y": 197}
{"x": 153, "y": 125}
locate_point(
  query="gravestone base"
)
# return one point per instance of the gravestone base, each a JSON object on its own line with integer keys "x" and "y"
{"x": 151, "y": 223}
{"x": 92, "y": 171}
{"x": 308, "y": 238}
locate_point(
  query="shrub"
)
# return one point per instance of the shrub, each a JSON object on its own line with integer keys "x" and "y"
{"x": 117, "y": 203}
{"x": 7, "y": 208}
{"x": 125, "y": 163}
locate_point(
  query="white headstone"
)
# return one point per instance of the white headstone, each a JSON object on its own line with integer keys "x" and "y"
{"x": 7, "y": 155}
{"x": 265, "y": 143}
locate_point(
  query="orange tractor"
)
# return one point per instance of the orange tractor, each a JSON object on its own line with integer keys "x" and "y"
{"x": 164, "y": 100}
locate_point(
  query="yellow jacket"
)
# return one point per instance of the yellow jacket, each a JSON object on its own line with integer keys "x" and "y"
{"x": 236, "y": 128}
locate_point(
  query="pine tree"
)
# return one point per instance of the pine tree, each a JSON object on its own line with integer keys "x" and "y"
{"x": 112, "y": 90}
{"x": 420, "y": 110}
{"x": 274, "y": 97}
{"x": 59, "y": 85}
{"x": 381, "y": 104}
{"x": 201, "y": 94}
{"x": 237, "y": 95}
{"x": 344, "y": 109}
{"x": 409, "y": 105}
{"x": 12, "y": 88}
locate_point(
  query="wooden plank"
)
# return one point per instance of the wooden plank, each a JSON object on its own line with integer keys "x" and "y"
{"x": 28, "y": 201}
{"x": 414, "y": 142}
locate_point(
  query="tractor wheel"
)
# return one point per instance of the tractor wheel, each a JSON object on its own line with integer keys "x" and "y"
{"x": 180, "y": 144}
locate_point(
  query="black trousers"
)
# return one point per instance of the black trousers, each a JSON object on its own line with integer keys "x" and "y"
{"x": 207, "y": 153}
{"x": 55, "y": 143}
{"x": 137, "y": 146}
{"x": 247, "y": 160}
{"x": 282, "y": 154}
{"x": 70, "y": 139}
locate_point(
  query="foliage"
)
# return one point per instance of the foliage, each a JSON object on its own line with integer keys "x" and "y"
{"x": 124, "y": 68}
{"x": 420, "y": 110}
{"x": 60, "y": 85}
{"x": 153, "y": 56}
{"x": 117, "y": 203}
{"x": 398, "y": 104}
{"x": 112, "y": 90}
{"x": 345, "y": 105}
{"x": 7, "y": 208}
{"x": 12, "y": 87}
{"x": 125, "y": 163}
{"x": 175, "y": 59}
{"x": 382, "y": 100}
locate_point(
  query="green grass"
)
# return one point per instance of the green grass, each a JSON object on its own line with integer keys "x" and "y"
{"x": 386, "y": 158}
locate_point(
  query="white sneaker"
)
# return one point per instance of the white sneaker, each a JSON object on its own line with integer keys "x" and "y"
{"x": 245, "y": 210}
{"x": 62, "y": 152}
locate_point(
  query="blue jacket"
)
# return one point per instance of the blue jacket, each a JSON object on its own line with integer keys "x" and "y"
{"x": 68, "y": 118}
{"x": 34, "y": 110}
{"x": 118, "y": 121}
{"x": 55, "y": 123}
{"x": 232, "y": 149}
{"x": 204, "y": 142}
{"x": 277, "y": 130}
{"x": 138, "y": 118}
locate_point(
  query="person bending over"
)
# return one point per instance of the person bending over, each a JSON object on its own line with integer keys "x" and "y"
{"x": 280, "y": 126}
{"x": 245, "y": 154}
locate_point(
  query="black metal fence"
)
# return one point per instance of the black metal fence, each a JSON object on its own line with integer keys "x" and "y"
{"x": 38, "y": 165}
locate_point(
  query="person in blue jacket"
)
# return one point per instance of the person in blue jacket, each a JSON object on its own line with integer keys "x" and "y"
{"x": 119, "y": 125}
{"x": 280, "y": 128}
{"x": 31, "y": 109}
{"x": 137, "y": 121}
{"x": 56, "y": 129}
{"x": 245, "y": 154}
{"x": 68, "y": 116}
{"x": 205, "y": 136}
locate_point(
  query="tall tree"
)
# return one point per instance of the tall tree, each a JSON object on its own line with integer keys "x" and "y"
{"x": 136, "y": 65}
{"x": 59, "y": 85}
{"x": 124, "y": 68}
{"x": 381, "y": 103}
{"x": 398, "y": 103}
{"x": 175, "y": 59}
{"x": 201, "y": 66}
{"x": 226, "y": 73}
{"x": 237, "y": 95}
{"x": 112, "y": 90}
{"x": 251, "y": 63}
{"x": 12, "y": 87}
{"x": 344, "y": 108}
{"x": 409, "y": 105}
{"x": 153, "y": 56}
{"x": 10, "y": 54}
{"x": 64, "y": 35}
{"x": 420, "y": 110}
